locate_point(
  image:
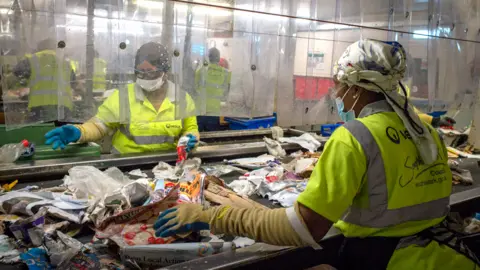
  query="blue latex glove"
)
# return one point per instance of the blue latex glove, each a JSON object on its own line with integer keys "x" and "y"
{"x": 184, "y": 218}
{"x": 191, "y": 142}
{"x": 62, "y": 136}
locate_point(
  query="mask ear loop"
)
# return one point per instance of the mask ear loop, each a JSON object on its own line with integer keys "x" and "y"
{"x": 355, "y": 103}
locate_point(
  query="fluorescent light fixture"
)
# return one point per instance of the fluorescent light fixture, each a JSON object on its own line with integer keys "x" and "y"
{"x": 420, "y": 34}
{"x": 4, "y": 10}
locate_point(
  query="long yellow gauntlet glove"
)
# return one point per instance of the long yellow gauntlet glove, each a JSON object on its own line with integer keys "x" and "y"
{"x": 283, "y": 227}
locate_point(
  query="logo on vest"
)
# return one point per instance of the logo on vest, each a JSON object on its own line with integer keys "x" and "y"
{"x": 394, "y": 135}
{"x": 173, "y": 126}
{"x": 415, "y": 170}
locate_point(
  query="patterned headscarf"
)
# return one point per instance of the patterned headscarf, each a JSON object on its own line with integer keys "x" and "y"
{"x": 367, "y": 61}
{"x": 379, "y": 66}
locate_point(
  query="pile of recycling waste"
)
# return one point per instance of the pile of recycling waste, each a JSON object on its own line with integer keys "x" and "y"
{"x": 104, "y": 219}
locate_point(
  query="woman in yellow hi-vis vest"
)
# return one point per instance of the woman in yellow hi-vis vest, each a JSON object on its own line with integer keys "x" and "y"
{"x": 382, "y": 180}
{"x": 151, "y": 109}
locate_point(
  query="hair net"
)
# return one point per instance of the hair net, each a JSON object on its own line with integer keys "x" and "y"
{"x": 379, "y": 66}
{"x": 155, "y": 54}
{"x": 214, "y": 55}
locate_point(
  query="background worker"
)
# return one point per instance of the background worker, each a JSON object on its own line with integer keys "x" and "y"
{"x": 151, "y": 111}
{"x": 439, "y": 121}
{"x": 214, "y": 80}
{"x": 99, "y": 74}
{"x": 49, "y": 90}
{"x": 386, "y": 192}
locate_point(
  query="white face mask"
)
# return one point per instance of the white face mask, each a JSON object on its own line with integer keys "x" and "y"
{"x": 151, "y": 85}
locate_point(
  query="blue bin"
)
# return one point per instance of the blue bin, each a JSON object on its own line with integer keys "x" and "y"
{"x": 328, "y": 129}
{"x": 437, "y": 113}
{"x": 255, "y": 123}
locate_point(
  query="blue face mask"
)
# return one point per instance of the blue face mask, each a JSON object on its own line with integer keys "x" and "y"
{"x": 345, "y": 116}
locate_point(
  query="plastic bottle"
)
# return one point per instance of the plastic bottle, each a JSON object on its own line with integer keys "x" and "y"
{"x": 11, "y": 152}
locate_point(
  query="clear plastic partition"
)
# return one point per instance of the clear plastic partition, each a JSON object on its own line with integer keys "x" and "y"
{"x": 75, "y": 60}
{"x": 29, "y": 82}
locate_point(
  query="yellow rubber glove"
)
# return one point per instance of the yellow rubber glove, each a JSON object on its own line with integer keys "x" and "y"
{"x": 91, "y": 131}
{"x": 184, "y": 218}
{"x": 271, "y": 226}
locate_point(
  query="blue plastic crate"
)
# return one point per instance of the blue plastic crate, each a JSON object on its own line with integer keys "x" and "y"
{"x": 327, "y": 129}
{"x": 437, "y": 113}
{"x": 255, "y": 123}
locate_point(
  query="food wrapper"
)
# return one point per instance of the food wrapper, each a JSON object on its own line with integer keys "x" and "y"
{"x": 30, "y": 230}
{"x": 135, "y": 226}
{"x": 192, "y": 191}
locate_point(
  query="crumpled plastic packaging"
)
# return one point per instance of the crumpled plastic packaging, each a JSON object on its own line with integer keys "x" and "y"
{"x": 253, "y": 162}
{"x": 461, "y": 176}
{"x": 134, "y": 226}
{"x": 88, "y": 181}
{"x": 219, "y": 170}
{"x": 30, "y": 230}
{"x": 243, "y": 187}
{"x": 473, "y": 226}
{"x": 165, "y": 171}
{"x": 138, "y": 172}
{"x": 303, "y": 164}
{"x": 286, "y": 197}
{"x": 36, "y": 259}
{"x": 61, "y": 248}
{"x": 8, "y": 253}
{"x": 274, "y": 148}
{"x": 118, "y": 175}
{"x": 305, "y": 140}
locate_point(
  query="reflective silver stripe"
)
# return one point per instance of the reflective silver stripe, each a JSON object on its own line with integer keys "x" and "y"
{"x": 377, "y": 215}
{"x": 413, "y": 240}
{"x": 38, "y": 77}
{"x": 115, "y": 151}
{"x": 144, "y": 140}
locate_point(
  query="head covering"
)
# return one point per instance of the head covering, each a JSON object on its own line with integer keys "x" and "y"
{"x": 379, "y": 66}
{"x": 223, "y": 63}
{"x": 155, "y": 54}
{"x": 214, "y": 55}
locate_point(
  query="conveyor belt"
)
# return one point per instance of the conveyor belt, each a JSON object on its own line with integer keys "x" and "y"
{"x": 28, "y": 170}
{"x": 289, "y": 258}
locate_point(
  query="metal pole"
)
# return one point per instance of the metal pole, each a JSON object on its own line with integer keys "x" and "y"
{"x": 90, "y": 54}
{"x": 167, "y": 23}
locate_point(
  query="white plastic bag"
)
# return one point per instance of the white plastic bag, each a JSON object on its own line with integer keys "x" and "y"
{"x": 91, "y": 182}
{"x": 306, "y": 141}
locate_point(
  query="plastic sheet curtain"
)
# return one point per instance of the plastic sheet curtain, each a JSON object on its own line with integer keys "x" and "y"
{"x": 277, "y": 55}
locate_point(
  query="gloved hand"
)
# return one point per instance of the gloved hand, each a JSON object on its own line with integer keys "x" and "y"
{"x": 62, "y": 136}
{"x": 184, "y": 218}
{"x": 443, "y": 121}
{"x": 192, "y": 141}
{"x": 270, "y": 226}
